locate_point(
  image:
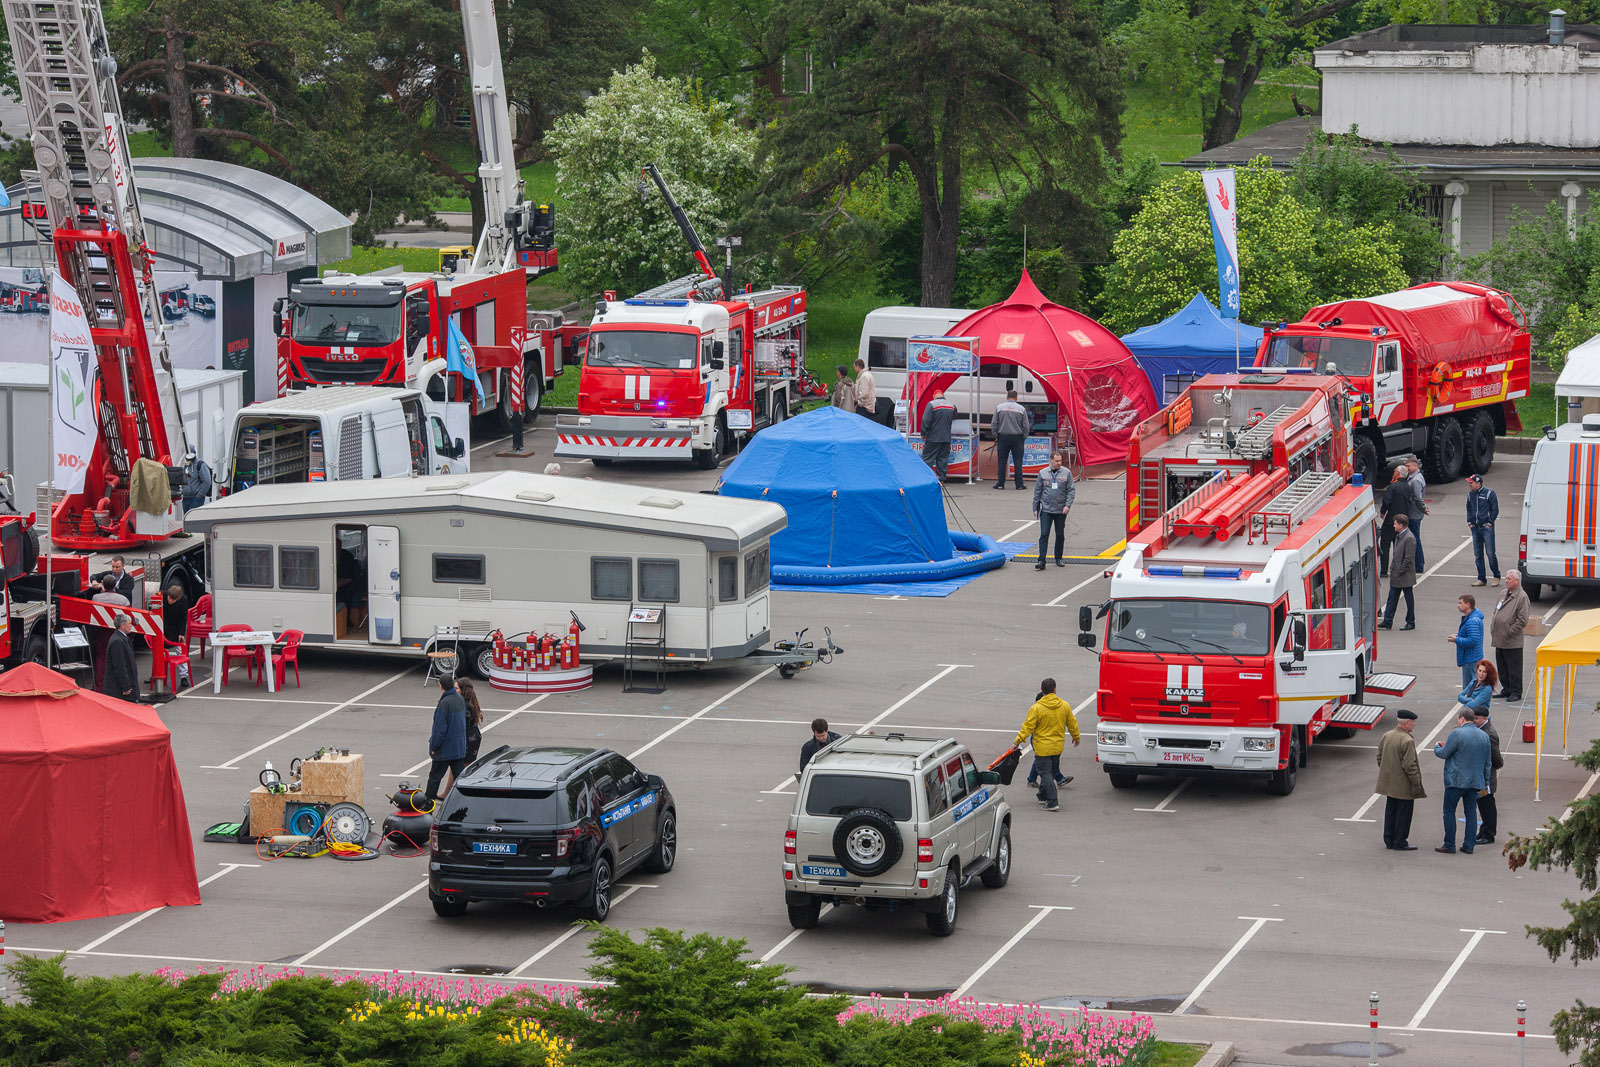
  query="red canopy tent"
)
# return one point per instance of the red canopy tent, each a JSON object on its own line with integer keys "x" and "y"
{"x": 1084, "y": 367}
{"x": 97, "y": 824}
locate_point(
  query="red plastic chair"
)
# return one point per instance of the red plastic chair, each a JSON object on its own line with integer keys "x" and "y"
{"x": 289, "y": 657}
{"x": 200, "y": 622}
{"x": 177, "y": 655}
{"x": 251, "y": 654}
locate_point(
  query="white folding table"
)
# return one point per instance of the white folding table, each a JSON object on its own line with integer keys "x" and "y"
{"x": 264, "y": 639}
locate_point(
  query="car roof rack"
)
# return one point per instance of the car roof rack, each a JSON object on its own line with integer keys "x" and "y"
{"x": 920, "y": 749}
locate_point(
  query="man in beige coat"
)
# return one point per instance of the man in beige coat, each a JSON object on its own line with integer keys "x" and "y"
{"x": 1505, "y": 634}
{"x": 1400, "y": 781}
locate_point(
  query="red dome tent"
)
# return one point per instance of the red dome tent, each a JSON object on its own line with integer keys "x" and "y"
{"x": 96, "y": 823}
{"x": 1084, "y": 367}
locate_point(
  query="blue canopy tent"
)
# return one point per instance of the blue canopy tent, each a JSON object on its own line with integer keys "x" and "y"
{"x": 1195, "y": 341}
{"x": 862, "y": 506}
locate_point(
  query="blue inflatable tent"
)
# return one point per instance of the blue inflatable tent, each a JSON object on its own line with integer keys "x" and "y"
{"x": 1195, "y": 341}
{"x": 862, "y": 506}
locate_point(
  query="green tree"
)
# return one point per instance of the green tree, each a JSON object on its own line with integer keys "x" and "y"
{"x": 1292, "y": 255}
{"x": 1573, "y": 845}
{"x": 692, "y": 1000}
{"x": 734, "y": 51}
{"x": 611, "y": 235}
{"x": 1023, "y": 92}
{"x": 1553, "y": 272}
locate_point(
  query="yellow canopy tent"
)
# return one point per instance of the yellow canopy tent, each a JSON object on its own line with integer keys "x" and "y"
{"x": 1572, "y": 643}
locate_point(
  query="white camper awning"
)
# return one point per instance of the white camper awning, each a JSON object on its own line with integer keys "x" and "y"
{"x": 1580, "y": 376}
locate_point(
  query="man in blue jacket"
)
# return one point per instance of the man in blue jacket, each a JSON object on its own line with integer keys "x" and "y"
{"x": 1468, "y": 638}
{"x": 1483, "y": 508}
{"x": 447, "y": 745}
{"x": 1466, "y": 754}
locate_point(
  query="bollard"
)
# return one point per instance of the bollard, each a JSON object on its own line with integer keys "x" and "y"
{"x": 1372, "y": 1044}
{"x": 1522, "y": 1033}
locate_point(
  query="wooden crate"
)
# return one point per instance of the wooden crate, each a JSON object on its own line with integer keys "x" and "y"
{"x": 334, "y": 776}
{"x": 266, "y": 809}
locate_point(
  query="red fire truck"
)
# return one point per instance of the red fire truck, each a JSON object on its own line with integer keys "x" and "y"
{"x": 1431, "y": 370}
{"x": 1241, "y": 629}
{"x": 1242, "y": 424}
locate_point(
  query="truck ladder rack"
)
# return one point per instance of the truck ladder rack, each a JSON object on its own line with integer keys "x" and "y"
{"x": 699, "y": 285}
{"x": 1292, "y": 506}
{"x": 1256, "y": 442}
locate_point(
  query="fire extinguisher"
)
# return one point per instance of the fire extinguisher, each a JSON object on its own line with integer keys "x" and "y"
{"x": 572, "y": 637}
{"x": 569, "y": 654}
{"x": 544, "y": 652}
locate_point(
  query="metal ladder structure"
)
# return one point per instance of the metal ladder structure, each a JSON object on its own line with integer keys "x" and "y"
{"x": 1292, "y": 506}
{"x": 85, "y": 176}
{"x": 1256, "y": 442}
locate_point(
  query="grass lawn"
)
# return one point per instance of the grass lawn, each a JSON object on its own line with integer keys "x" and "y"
{"x": 1171, "y": 1055}
{"x": 1156, "y": 125}
{"x": 1538, "y": 409}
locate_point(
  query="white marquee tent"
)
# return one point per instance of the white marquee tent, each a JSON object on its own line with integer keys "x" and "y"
{"x": 1580, "y": 375}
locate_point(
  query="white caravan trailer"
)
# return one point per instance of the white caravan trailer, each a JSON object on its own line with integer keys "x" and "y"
{"x": 883, "y": 347}
{"x": 495, "y": 550}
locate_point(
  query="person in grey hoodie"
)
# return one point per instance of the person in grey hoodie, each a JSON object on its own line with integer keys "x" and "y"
{"x": 1053, "y": 494}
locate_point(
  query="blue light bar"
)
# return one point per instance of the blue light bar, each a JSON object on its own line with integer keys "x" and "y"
{"x": 634, "y": 301}
{"x": 1161, "y": 571}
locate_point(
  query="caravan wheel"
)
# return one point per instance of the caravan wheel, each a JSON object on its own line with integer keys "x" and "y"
{"x": 482, "y": 660}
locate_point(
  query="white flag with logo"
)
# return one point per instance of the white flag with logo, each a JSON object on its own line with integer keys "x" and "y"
{"x": 72, "y": 381}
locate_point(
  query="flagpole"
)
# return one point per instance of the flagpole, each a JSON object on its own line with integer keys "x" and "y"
{"x": 50, "y": 500}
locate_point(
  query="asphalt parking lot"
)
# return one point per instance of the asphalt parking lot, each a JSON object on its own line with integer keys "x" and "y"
{"x": 1225, "y": 912}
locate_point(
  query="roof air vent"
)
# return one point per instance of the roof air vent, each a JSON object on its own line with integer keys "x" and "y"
{"x": 535, "y": 496}
{"x": 667, "y": 502}
{"x": 1558, "y": 26}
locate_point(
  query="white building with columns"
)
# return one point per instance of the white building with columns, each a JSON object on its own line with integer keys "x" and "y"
{"x": 1494, "y": 118}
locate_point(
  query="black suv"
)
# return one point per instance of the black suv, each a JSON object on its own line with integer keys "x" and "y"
{"x": 548, "y": 826}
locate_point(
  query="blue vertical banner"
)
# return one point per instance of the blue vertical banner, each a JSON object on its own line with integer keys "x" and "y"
{"x": 1223, "y": 207}
{"x": 459, "y": 357}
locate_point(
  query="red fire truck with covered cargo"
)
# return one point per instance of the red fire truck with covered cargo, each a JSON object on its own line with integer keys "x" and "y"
{"x": 1242, "y": 424}
{"x": 388, "y": 327}
{"x": 1432, "y": 370}
{"x": 678, "y": 372}
{"x": 1241, "y": 629}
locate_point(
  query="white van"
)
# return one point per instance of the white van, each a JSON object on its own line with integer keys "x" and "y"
{"x": 1561, "y": 509}
{"x": 338, "y": 433}
{"x": 883, "y": 348}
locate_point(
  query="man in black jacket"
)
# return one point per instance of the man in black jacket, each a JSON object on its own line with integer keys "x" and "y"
{"x": 1483, "y": 508}
{"x": 821, "y": 736}
{"x": 122, "y": 670}
{"x": 937, "y": 419}
{"x": 1397, "y": 500}
{"x": 116, "y": 580}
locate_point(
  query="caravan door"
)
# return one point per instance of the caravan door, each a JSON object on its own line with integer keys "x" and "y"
{"x": 383, "y": 585}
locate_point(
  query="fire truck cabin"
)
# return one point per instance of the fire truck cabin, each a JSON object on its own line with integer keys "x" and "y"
{"x": 1242, "y": 625}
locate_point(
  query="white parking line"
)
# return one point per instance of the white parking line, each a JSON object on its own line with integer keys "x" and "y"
{"x": 1438, "y": 990}
{"x": 573, "y": 929}
{"x": 1256, "y": 924}
{"x": 1431, "y": 571}
{"x": 713, "y": 706}
{"x": 1449, "y": 717}
{"x": 1593, "y": 778}
{"x": 1099, "y": 574}
{"x": 791, "y": 935}
{"x": 1027, "y": 928}
{"x": 1545, "y": 618}
{"x": 1031, "y": 524}
{"x": 1169, "y": 798}
{"x": 103, "y": 938}
{"x": 229, "y": 766}
{"x": 497, "y": 441}
{"x": 353, "y": 927}
{"x": 483, "y": 729}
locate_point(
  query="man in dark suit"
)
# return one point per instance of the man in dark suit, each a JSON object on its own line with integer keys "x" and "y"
{"x": 116, "y": 580}
{"x": 122, "y": 670}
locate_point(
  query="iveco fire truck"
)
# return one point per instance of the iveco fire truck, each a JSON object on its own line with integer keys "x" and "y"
{"x": 387, "y": 328}
{"x": 1241, "y": 629}
{"x": 1431, "y": 370}
{"x": 1242, "y": 424}
{"x": 680, "y": 373}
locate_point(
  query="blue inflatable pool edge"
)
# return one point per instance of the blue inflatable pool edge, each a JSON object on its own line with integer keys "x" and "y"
{"x": 974, "y": 552}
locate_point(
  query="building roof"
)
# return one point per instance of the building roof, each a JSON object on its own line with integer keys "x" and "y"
{"x": 721, "y": 522}
{"x": 1460, "y": 38}
{"x": 215, "y": 219}
{"x": 1283, "y": 141}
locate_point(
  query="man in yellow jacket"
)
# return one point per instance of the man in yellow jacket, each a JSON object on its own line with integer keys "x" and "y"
{"x": 1048, "y": 723}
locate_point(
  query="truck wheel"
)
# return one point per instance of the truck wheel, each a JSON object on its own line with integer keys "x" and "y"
{"x": 805, "y": 916}
{"x": 532, "y": 391}
{"x": 502, "y": 416}
{"x": 780, "y": 410}
{"x": 1447, "y": 451}
{"x": 1533, "y": 589}
{"x": 1364, "y": 456}
{"x": 1282, "y": 782}
{"x": 34, "y": 650}
{"x": 709, "y": 459}
{"x": 482, "y": 660}
{"x": 1122, "y": 779}
{"x": 942, "y": 923}
{"x": 30, "y": 549}
{"x": 1478, "y": 430}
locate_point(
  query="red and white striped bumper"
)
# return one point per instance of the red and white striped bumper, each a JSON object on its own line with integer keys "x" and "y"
{"x": 599, "y": 441}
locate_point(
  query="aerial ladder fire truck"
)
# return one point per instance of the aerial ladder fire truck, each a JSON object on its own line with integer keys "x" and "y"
{"x": 97, "y": 240}
{"x": 687, "y": 370}
{"x": 392, "y": 327}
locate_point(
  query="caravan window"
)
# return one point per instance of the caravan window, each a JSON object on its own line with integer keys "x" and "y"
{"x": 252, "y": 566}
{"x": 658, "y": 580}
{"x": 757, "y": 570}
{"x": 297, "y": 567}
{"x": 728, "y": 578}
{"x": 610, "y": 578}
{"x": 458, "y": 570}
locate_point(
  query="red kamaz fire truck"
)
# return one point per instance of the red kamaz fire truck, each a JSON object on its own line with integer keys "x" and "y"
{"x": 1242, "y": 424}
{"x": 387, "y": 327}
{"x": 678, "y": 373}
{"x": 1242, "y": 628}
{"x": 1431, "y": 370}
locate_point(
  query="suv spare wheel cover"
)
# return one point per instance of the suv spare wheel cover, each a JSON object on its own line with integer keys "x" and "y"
{"x": 867, "y": 842}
